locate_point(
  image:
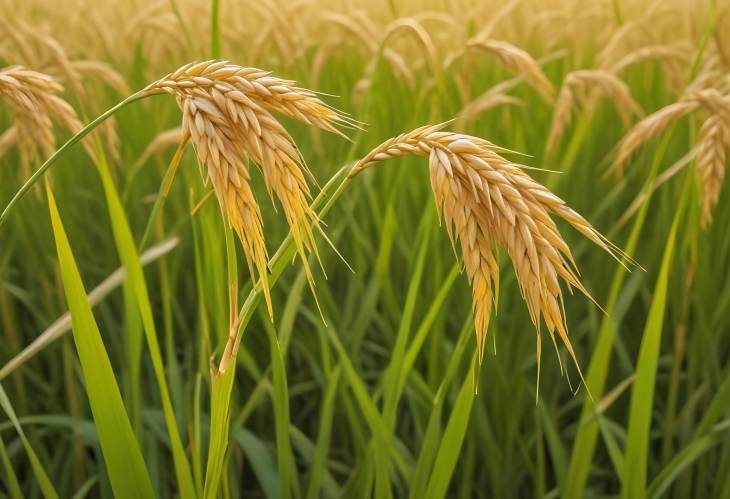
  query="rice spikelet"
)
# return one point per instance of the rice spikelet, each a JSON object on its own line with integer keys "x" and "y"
{"x": 663, "y": 53}
{"x": 421, "y": 36}
{"x": 227, "y": 115}
{"x": 487, "y": 201}
{"x": 31, "y": 97}
{"x": 654, "y": 124}
{"x": 648, "y": 128}
{"x": 714, "y": 139}
{"x": 576, "y": 86}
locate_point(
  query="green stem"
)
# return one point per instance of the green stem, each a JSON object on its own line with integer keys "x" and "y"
{"x": 617, "y": 12}
{"x": 709, "y": 28}
{"x": 183, "y": 25}
{"x": 222, "y": 381}
{"x": 215, "y": 33}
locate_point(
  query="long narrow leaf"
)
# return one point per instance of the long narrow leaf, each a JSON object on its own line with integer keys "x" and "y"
{"x": 450, "y": 448}
{"x": 40, "y": 473}
{"x": 122, "y": 455}
{"x": 130, "y": 259}
{"x": 642, "y": 393}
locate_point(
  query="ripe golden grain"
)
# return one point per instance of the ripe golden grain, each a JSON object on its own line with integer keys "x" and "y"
{"x": 651, "y": 126}
{"x": 31, "y": 97}
{"x": 103, "y": 72}
{"x": 651, "y": 53}
{"x": 227, "y": 115}
{"x": 712, "y": 144}
{"x": 521, "y": 62}
{"x": 487, "y": 201}
{"x": 576, "y": 86}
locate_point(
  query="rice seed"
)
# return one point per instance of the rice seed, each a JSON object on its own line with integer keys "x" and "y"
{"x": 487, "y": 201}
{"x": 227, "y": 115}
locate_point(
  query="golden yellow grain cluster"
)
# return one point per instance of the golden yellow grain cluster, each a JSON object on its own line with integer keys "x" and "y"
{"x": 488, "y": 202}
{"x": 32, "y": 100}
{"x": 229, "y": 111}
{"x": 227, "y": 115}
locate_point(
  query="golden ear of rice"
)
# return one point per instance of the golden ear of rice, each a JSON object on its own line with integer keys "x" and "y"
{"x": 578, "y": 84}
{"x": 648, "y": 128}
{"x": 227, "y": 114}
{"x": 471, "y": 111}
{"x": 163, "y": 140}
{"x": 714, "y": 139}
{"x": 520, "y": 62}
{"x": 710, "y": 99}
{"x": 31, "y": 97}
{"x": 488, "y": 202}
{"x": 650, "y": 53}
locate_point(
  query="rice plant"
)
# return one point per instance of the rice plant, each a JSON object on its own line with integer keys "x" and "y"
{"x": 211, "y": 287}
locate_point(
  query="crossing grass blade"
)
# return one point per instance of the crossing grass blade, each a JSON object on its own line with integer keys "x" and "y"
{"x": 450, "y": 447}
{"x": 634, "y": 481}
{"x": 319, "y": 461}
{"x": 85, "y": 489}
{"x": 433, "y": 434}
{"x": 262, "y": 461}
{"x": 585, "y": 440}
{"x": 381, "y": 444}
{"x": 392, "y": 374}
{"x": 44, "y": 483}
{"x": 11, "y": 479}
{"x": 130, "y": 260}
{"x": 62, "y": 325}
{"x": 122, "y": 456}
{"x": 285, "y": 456}
{"x": 685, "y": 458}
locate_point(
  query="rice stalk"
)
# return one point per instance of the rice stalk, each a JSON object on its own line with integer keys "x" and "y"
{"x": 674, "y": 59}
{"x": 652, "y": 53}
{"x": 495, "y": 19}
{"x": 102, "y": 72}
{"x": 7, "y": 140}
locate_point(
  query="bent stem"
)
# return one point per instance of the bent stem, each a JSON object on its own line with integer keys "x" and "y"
{"x": 223, "y": 375}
